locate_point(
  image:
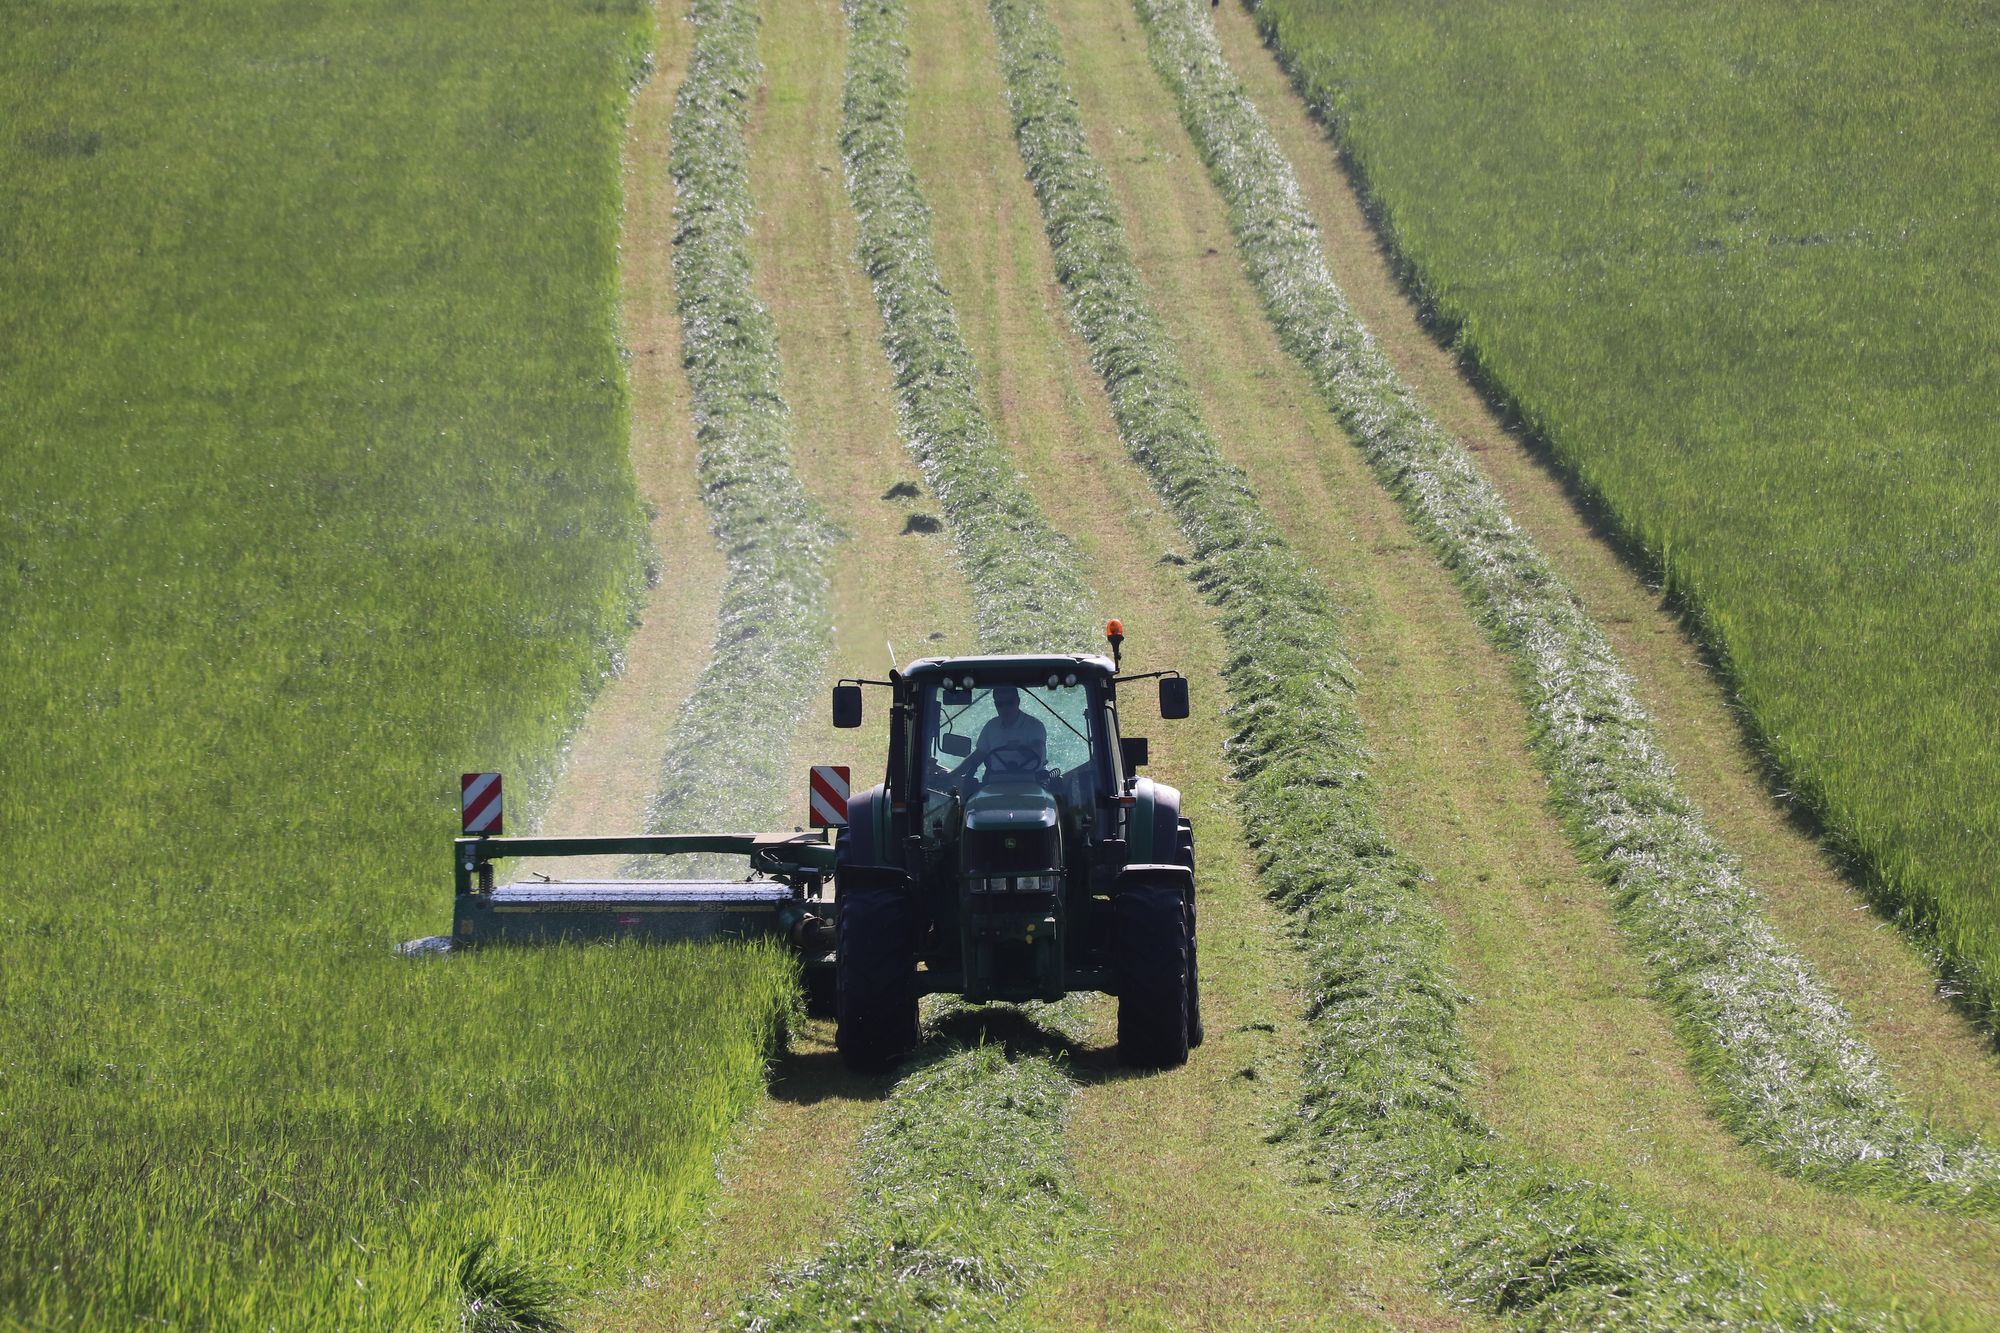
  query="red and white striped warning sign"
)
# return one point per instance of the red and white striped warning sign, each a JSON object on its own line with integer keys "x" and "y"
{"x": 479, "y": 802}
{"x": 829, "y": 796}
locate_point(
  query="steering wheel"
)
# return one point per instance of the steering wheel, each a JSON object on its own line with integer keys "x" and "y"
{"x": 1023, "y": 757}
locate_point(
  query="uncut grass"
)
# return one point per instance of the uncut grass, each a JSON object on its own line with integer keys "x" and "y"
{"x": 1385, "y": 1104}
{"x": 315, "y": 496}
{"x": 1787, "y": 1069}
{"x": 1735, "y": 266}
{"x": 1577, "y": 1063}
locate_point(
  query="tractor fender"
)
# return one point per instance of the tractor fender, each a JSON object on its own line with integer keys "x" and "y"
{"x": 867, "y": 832}
{"x": 1152, "y": 827}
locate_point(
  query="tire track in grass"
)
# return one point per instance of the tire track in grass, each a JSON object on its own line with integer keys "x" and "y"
{"x": 1948, "y": 1068}
{"x": 1787, "y": 1069}
{"x": 1386, "y": 1099}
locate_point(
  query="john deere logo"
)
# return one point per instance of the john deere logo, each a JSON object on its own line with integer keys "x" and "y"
{"x": 1012, "y": 841}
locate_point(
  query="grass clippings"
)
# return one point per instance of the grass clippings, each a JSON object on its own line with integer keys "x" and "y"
{"x": 965, "y": 1193}
{"x": 1028, "y": 587}
{"x": 965, "y": 1196}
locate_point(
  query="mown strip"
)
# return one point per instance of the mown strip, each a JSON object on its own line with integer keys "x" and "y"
{"x": 965, "y": 1196}
{"x": 1027, "y": 582}
{"x": 725, "y": 767}
{"x": 965, "y": 1191}
{"x": 1385, "y": 1104}
{"x": 1783, "y": 1063}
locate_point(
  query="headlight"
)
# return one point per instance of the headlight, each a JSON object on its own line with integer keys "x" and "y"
{"x": 1018, "y": 884}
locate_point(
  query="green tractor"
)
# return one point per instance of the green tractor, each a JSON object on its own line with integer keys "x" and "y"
{"x": 1012, "y": 852}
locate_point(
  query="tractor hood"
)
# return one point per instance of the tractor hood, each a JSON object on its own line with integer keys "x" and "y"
{"x": 1010, "y": 806}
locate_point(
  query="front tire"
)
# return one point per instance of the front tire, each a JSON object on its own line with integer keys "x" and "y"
{"x": 1186, "y": 858}
{"x": 1151, "y": 949}
{"x": 875, "y": 975}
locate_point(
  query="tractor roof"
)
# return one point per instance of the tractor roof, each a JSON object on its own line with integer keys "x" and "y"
{"x": 1014, "y": 662}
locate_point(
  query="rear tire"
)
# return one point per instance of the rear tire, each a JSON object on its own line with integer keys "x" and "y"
{"x": 875, "y": 976}
{"x": 1151, "y": 953}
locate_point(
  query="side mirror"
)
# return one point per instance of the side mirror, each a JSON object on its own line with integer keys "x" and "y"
{"x": 955, "y": 745}
{"x": 1173, "y": 697}
{"x": 1132, "y": 749}
{"x": 846, "y": 706}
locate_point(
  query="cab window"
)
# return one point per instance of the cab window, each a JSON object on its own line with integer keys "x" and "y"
{"x": 1000, "y": 729}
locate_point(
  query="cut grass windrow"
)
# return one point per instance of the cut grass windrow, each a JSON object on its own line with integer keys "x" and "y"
{"x": 726, "y": 764}
{"x": 1385, "y": 1106}
{"x": 1027, "y": 582}
{"x": 966, "y": 1194}
{"x": 1783, "y": 1063}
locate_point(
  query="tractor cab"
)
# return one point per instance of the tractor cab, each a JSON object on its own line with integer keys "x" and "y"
{"x": 1018, "y": 766}
{"x": 992, "y": 860}
{"x": 1005, "y": 747}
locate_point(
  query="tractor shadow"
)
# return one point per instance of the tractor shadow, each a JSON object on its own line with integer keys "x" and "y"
{"x": 807, "y": 1077}
{"x": 1015, "y": 1032}
{"x": 811, "y": 1071}
{"x": 1020, "y": 1033}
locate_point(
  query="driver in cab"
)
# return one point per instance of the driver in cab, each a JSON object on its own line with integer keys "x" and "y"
{"x": 1012, "y": 742}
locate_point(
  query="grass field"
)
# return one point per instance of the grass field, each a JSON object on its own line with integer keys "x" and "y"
{"x": 1736, "y": 266}
{"x": 322, "y": 487}
{"x": 1757, "y": 1017}
{"x": 315, "y": 494}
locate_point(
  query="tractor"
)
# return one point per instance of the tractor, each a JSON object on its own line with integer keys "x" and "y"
{"x": 1012, "y": 852}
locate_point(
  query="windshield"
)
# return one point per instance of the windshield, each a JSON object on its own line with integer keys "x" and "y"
{"x": 1011, "y": 729}
{"x": 1007, "y": 731}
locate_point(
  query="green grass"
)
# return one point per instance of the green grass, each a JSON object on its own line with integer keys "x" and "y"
{"x": 966, "y": 1195}
{"x": 1736, "y": 265}
{"x": 315, "y": 495}
{"x": 1387, "y": 1108}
